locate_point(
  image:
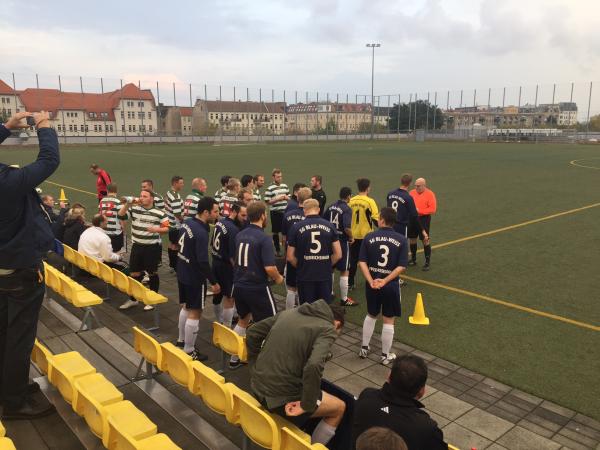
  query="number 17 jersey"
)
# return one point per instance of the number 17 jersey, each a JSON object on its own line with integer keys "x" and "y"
{"x": 383, "y": 251}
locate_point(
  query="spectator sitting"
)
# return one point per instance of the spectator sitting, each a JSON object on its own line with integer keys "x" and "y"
{"x": 58, "y": 227}
{"x": 74, "y": 226}
{"x": 287, "y": 354}
{"x": 48, "y": 203}
{"x": 378, "y": 438}
{"x": 95, "y": 243}
{"x": 396, "y": 406}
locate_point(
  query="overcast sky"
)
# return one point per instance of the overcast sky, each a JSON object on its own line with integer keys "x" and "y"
{"x": 427, "y": 45}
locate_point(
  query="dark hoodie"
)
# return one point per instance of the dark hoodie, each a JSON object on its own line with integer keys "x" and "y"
{"x": 289, "y": 366}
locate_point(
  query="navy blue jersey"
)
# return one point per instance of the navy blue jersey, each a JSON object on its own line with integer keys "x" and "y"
{"x": 193, "y": 251}
{"x": 340, "y": 216}
{"x": 313, "y": 240}
{"x": 404, "y": 205}
{"x": 222, "y": 245}
{"x": 291, "y": 218}
{"x": 384, "y": 250}
{"x": 253, "y": 252}
{"x": 292, "y": 204}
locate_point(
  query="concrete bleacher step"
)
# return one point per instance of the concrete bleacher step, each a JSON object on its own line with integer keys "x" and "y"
{"x": 176, "y": 412}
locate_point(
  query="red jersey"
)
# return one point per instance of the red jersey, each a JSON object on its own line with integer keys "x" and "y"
{"x": 425, "y": 202}
{"x": 101, "y": 183}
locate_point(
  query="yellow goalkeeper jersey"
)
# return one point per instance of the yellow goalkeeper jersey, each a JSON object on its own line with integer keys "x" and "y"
{"x": 364, "y": 212}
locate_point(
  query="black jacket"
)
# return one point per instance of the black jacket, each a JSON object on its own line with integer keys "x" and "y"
{"x": 72, "y": 232}
{"x": 389, "y": 408}
{"x": 319, "y": 195}
{"x": 25, "y": 234}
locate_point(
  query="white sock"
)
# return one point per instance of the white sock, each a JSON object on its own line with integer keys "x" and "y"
{"x": 227, "y": 317}
{"x": 387, "y": 338}
{"x": 332, "y": 284}
{"x": 242, "y": 332}
{"x": 323, "y": 433}
{"x": 368, "y": 327}
{"x": 182, "y": 319}
{"x": 290, "y": 299}
{"x": 343, "y": 288}
{"x": 191, "y": 327}
{"x": 218, "y": 311}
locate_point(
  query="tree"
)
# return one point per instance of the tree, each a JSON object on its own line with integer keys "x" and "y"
{"x": 425, "y": 113}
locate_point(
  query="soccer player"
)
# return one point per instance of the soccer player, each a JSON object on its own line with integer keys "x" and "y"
{"x": 159, "y": 202}
{"x": 102, "y": 181}
{"x": 193, "y": 272}
{"x": 277, "y": 196}
{"x": 109, "y": 207}
{"x": 222, "y": 249}
{"x": 230, "y": 197}
{"x": 289, "y": 220}
{"x": 254, "y": 266}
{"x": 147, "y": 224}
{"x": 245, "y": 197}
{"x": 364, "y": 218}
{"x": 174, "y": 210}
{"x": 426, "y": 204}
{"x": 313, "y": 248}
{"x": 248, "y": 182}
{"x": 223, "y": 189}
{"x": 404, "y": 205}
{"x": 383, "y": 257}
{"x": 340, "y": 216}
{"x": 259, "y": 182}
{"x": 317, "y": 191}
{"x": 293, "y": 201}
{"x": 190, "y": 205}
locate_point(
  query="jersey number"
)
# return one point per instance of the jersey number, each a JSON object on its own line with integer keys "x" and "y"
{"x": 314, "y": 239}
{"x": 357, "y": 216}
{"x": 385, "y": 251}
{"x": 181, "y": 241}
{"x": 395, "y": 205}
{"x": 334, "y": 218}
{"x": 217, "y": 241}
{"x": 242, "y": 257}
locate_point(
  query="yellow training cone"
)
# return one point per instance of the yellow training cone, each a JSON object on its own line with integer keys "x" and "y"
{"x": 419, "y": 317}
{"x": 63, "y": 197}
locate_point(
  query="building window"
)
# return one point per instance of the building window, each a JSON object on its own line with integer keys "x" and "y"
{"x": 129, "y": 127}
{"x": 86, "y": 128}
{"x": 123, "y": 128}
{"x": 140, "y": 115}
{"x": 141, "y": 104}
{"x": 133, "y": 127}
{"x": 149, "y": 115}
{"x": 122, "y": 114}
{"x": 111, "y": 128}
{"x": 82, "y": 128}
{"x": 150, "y": 128}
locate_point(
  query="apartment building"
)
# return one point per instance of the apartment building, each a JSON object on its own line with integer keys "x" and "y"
{"x": 240, "y": 118}
{"x": 309, "y": 118}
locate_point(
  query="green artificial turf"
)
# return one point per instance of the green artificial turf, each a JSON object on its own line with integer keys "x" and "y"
{"x": 550, "y": 266}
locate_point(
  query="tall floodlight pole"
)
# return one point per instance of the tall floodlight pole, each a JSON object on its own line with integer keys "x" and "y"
{"x": 373, "y": 46}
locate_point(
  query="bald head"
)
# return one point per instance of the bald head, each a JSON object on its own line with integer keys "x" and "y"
{"x": 199, "y": 184}
{"x": 420, "y": 184}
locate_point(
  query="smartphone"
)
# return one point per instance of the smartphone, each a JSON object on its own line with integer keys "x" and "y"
{"x": 30, "y": 121}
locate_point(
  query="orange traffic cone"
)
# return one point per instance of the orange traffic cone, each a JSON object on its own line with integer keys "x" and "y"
{"x": 63, "y": 197}
{"x": 419, "y": 317}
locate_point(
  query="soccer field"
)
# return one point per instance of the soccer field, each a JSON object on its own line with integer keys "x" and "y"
{"x": 514, "y": 288}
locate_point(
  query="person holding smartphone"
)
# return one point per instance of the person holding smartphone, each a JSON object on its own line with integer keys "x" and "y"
{"x": 25, "y": 237}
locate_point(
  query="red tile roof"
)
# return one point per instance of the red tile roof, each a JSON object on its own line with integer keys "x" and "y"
{"x": 5, "y": 88}
{"x": 186, "y": 111}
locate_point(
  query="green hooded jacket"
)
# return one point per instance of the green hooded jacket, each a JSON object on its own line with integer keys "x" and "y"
{"x": 287, "y": 355}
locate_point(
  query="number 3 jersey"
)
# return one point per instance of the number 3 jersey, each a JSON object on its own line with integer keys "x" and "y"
{"x": 313, "y": 239}
{"x": 384, "y": 250}
{"x": 253, "y": 252}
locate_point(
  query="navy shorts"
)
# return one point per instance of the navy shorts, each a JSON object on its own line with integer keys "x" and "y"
{"x": 344, "y": 264}
{"x": 193, "y": 296}
{"x": 276, "y": 221}
{"x": 256, "y": 300}
{"x": 401, "y": 228}
{"x": 290, "y": 275}
{"x": 413, "y": 227}
{"x": 385, "y": 300}
{"x": 173, "y": 235}
{"x": 311, "y": 291}
{"x": 223, "y": 272}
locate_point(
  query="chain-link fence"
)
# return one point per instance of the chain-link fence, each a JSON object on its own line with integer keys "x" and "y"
{"x": 104, "y": 110}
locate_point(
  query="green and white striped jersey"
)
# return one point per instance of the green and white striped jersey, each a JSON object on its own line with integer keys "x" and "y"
{"x": 109, "y": 208}
{"x": 220, "y": 193}
{"x": 190, "y": 205}
{"x": 173, "y": 208}
{"x": 256, "y": 195}
{"x": 141, "y": 219}
{"x": 159, "y": 202}
{"x": 275, "y": 190}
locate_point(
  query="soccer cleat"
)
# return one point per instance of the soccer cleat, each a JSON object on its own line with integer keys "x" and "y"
{"x": 363, "y": 352}
{"x": 148, "y": 308}
{"x": 412, "y": 262}
{"x": 197, "y": 356}
{"x": 235, "y": 364}
{"x": 129, "y": 304}
{"x": 348, "y": 302}
{"x": 179, "y": 344}
{"x": 426, "y": 267}
{"x": 387, "y": 359}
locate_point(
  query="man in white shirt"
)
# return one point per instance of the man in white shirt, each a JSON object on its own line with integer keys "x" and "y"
{"x": 94, "y": 242}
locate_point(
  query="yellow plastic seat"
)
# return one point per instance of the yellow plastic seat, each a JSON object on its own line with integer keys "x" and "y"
{"x": 105, "y": 273}
{"x": 150, "y": 350}
{"x": 291, "y": 440}
{"x": 40, "y": 355}
{"x": 176, "y": 363}
{"x": 452, "y": 447}
{"x": 211, "y": 386}
{"x": 229, "y": 341}
{"x": 145, "y": 295}
{"x": 257, "y": 423}
{"x": 159, "y": 441}
{"x": 92, "y": 394}
{"x": 121, "y": 281}
{"x": 53, "y": 280}
{"x": 64, "y": 369}
{"x": 6, "y": 444}
{"x": 91, "y": 265}
{"x": 80, "y": 260}
{"x": 125, "y": 424}
{"x": 79, "y": 296}
{"x": 2, "y": 430}
{"x": 69, "y": 254}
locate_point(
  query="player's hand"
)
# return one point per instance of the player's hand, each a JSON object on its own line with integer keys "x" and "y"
{"x": 16, "y": 122}
{"x": 216, "y": 288}
{"x": 379, "y": 283}
{"x": 293, "y": 409}
{"x": 373, "y": 284}
{"x": 42, "y": 119}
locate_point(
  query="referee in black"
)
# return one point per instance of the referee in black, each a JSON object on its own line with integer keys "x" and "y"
{"x": 25, "y": 236}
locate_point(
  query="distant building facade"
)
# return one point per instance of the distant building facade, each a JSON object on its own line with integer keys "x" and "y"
{"x": 241, "y": 118}
{"x": 310, "y": 118}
